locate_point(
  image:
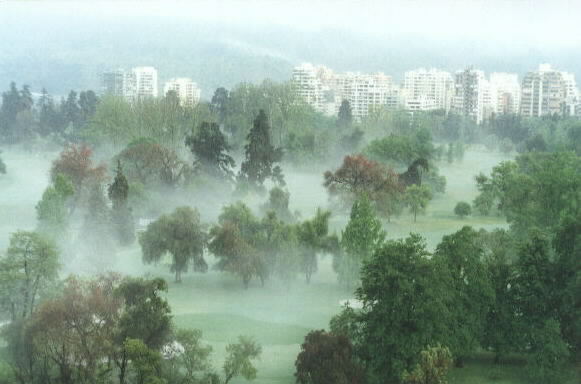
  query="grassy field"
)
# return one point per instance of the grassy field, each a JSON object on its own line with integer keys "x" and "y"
{"x": 277, "y": 316}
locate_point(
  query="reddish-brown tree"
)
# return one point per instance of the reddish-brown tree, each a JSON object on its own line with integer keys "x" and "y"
{"x": 360, "y": 176}
{"x": 75, "y": 162}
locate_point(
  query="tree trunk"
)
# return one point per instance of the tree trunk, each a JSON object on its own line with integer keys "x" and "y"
{"x": 415, "y": 216}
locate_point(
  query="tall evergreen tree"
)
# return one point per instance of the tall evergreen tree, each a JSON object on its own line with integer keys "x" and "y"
{"x": 345, "y": 115}
{"x": 124, "y": 228}
{"x": 260, "y": 155}
{"x": 210, "y": 148}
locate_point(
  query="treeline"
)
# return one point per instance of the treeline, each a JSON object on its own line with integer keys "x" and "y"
{"x": 509, "y": 292}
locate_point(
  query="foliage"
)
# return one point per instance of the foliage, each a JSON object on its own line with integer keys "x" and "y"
{"x": 75, "y": 162}
{"x": 181, "y": 235}
{"x": 28, "y": 268}
{"x": 417, "y": 198}
{"x": 326, "y": 358}
{"x": 361, "y": 237}
{"x": 548, "y": 360}
{"x": 462, "y": 209}
{"x": 536, "y": 190}
{"x": 121, "y": 216}
{"x": 239, "y": 358}
{"x": 404, "y": 308}
{"x": 149, "y": 163}
{"x": 210, "y": 148}
{"x": 458, "y": 258}
{"x": 435, "y": 362}
{"x": 278, "y": 202}
{"x": 313, "y": 235}
{"x": 357, "y": 176}
{"x": 53, "y": 210}
{"x": 260, "y": 155}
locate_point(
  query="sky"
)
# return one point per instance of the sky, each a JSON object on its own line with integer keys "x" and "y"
{"x": 521, "y": 21}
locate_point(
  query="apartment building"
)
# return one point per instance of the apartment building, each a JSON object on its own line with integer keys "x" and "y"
{"x": 428, "y": 89}
{"x": 472, "y": 97}
{"x": 138, "y": 83}
{"x": 544, "y": 92}
{"x": 186, "y": 90}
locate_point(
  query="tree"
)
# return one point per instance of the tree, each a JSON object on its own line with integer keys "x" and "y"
{"x": 357, "y": 176}
{"x": 147, "y": 162}
{"x": 278, "y": 202}
{"x": 458, "y": 259}
{"x": 548, "y": 362}
{"x": 181, "y": 235}
{"x": 239, "y": 358}
{"x": 53, "y": 210}
{"x": 219, "y": 102}
{"x": 146, "y": 316}
{"x": 96, "y": 232}
{"x": 236, "y": 241}
{"x": 417, "y": 198}
{"x": 326, "y": 358}
{"x": 345, "y": 115}
{"x": 74, "y": 330}
{"x": 75, "y": 163}
{"x": 186, "y": 358}
{"x": 536, "y": 190}
{"x": 404, "y": 308}
{"x": 462, "y": 209}
{"x": 121, "y": 216}
{"x": 313, "y": 238}
{"x": 361, "y": 237}
{"x": 260, "y": 155}
{"x": 88, "y": 102}
{"x": 210, "y": 148}
{"x": 435, "y": 362}
{"x": 145, "y": 362}
{"x": 26, "y": 271}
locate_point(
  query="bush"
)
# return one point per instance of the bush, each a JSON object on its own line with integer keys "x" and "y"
{"x": 463, "y": 209}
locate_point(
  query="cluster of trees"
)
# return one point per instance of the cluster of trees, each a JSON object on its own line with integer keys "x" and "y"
{"x": 245, "y": 245}
{"x": 477, "y": 290}
{"x": 534, "y": 190}
{"x": 545, "y": 134}
{"x": 513, "y": 291}
{"x": 21, "y": 119}
{"x": 105, "y": 329}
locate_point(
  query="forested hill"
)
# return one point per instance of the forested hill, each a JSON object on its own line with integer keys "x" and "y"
{"x": 69, "y": 52}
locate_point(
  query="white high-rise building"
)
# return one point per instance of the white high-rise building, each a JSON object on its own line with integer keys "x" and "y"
{"x": 186, "y": 90}
{"x": 308, "y": 85}
{"x": 505, "y": 91}
{"x": 544, "y": 92}
{"x": 472, "y": 96}
{"x": 139, "y": 82}
{"x": 145, "y": 82}
{"x": 428, "y": 89}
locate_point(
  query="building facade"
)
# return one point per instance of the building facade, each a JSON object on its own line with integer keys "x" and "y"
{"x": 506, "y": 92}
{"x": 187, "y": 91}
{"x": 138, "y": 83}
{"x": 471, "y": 94}
{"x": 544, "y": 92}
{"x": 428, "y": 89}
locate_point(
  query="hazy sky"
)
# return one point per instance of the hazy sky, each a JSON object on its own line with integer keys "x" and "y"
{"x": 528, "y": 22}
